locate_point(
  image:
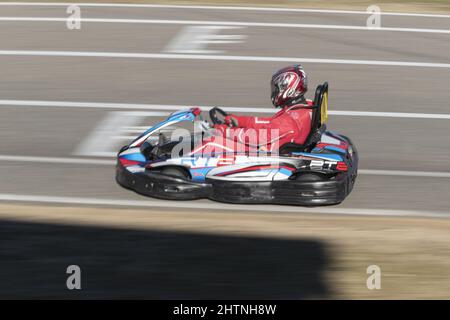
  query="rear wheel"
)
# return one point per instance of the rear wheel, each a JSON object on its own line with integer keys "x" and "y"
{"x": 176, "y": 172}
{"x": 310, "y": 177}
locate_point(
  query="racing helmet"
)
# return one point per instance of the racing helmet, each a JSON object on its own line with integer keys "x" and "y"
{"x": 288, "y": 86}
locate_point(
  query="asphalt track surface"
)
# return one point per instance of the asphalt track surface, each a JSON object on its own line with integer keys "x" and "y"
{"x": 404, "y": 161}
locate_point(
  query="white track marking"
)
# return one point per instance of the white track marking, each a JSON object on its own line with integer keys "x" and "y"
{"x": 129, "y": 55}
{"x": 103, "y": 138}
{"x": 392, "y": 114}
{"x": 195, "y": 39}
{"x": 230, "y": 8}
{"x": 428, "y": 174}
{"x": 225, "y": 24}
{"x": 56, "y": 160}
{"x": 110, "y": 162}
{"x": 164, "y": 107}
{"x": 219, "y": 206}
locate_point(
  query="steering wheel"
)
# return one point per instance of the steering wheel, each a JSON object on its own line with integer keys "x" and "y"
{"x": 214, "y": 117}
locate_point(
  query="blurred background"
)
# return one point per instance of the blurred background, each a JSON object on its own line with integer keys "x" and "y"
{"x": 73, "y": 92}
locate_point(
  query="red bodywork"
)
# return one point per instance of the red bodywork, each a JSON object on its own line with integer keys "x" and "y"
{"x": 290, "y": 124}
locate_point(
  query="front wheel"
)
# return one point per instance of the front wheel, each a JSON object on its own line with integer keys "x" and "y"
{"x": 176, "y": 172}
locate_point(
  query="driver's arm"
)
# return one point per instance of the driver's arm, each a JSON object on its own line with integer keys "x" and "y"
{"x": 246, "y": 121}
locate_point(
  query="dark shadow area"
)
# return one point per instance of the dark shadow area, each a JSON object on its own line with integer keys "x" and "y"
{"x": 119, "y": 263}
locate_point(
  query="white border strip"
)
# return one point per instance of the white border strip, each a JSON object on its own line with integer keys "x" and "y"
{"x": 225, "y": 23}
{"x": 165, "y": 107}
{"x": 427, "y": 174}
{"x": 56, "y": 160}
{"x": 110, "y": 162}
{"x": 218, "y": 206}
{"x": 229, "y": 8}
{"x": 127, "y": 55}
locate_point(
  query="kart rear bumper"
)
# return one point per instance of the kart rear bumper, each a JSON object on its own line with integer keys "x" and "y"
{"x": 282, "y": 192}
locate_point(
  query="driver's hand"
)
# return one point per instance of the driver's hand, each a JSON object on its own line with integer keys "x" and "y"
{"x": 231, "y": 121}
{"x": 221, "y": 129}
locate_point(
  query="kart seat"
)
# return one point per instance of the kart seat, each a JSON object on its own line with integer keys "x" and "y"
{"x": 319, "y": 116}
{"x": 312, "y": 140}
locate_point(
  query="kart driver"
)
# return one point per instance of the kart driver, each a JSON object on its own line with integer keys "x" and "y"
{"x": 293, "y": 121}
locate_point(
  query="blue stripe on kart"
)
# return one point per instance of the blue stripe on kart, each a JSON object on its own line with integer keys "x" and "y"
{"x": 333, "y": 148}
{"x": 330, "y": 157}
{"x": 199, "y": 174}
{"x": 285, "y": 172}
{"x": 134, "y": 157}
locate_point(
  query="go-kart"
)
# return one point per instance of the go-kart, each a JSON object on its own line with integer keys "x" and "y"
{"x": 322, "y": 171}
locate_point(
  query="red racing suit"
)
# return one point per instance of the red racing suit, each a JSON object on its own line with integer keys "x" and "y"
{"x": 291, "y": 124}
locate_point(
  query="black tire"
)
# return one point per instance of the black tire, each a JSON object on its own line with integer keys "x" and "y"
{"x": 310, "y": 177}
{"x": 176, "y": 172}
